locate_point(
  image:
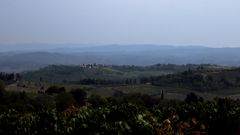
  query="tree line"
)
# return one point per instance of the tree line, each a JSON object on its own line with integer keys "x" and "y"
{"x": 198, "y": 80}
{"x": 9, "y": 77}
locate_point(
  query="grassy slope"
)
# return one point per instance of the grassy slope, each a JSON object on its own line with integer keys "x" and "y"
{"x": 53, "y": 73}
{"x": 106, "y": 91}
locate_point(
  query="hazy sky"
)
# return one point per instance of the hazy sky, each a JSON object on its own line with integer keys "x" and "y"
{"x": 212, "y": 23}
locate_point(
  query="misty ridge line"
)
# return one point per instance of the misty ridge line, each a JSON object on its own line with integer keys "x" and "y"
{"x": 38, "y": 47}
{"x": 139, "y": 55}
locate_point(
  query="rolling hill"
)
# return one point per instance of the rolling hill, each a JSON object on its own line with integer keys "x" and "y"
{"x": 140, "y": 55}
{"x": 60, "y": 73}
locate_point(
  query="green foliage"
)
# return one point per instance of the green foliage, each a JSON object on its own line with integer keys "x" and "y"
{"x": 103, "y": 73}
{"x": 17, "y": 100}
{"x": 162, "y": 95}
{"x": 2, "y": 89}
{"x": 193, "y": 98}
{"x": 43, "y": 102}
{"x": 203, "y": 80}
{"x": 127, "y": 118}
{"x": 96, "y": 101}
{"x": 79, "y": 95}
{"x": 9, "y": 78}
{"x": 70, "y": 113}
{"x": 55, "y": 89}
{"x": 63, "y": 101}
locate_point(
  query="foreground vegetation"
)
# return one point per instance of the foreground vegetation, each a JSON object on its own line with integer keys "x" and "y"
{"x": 146, "y": 106}
{"x": 60, "y": 112}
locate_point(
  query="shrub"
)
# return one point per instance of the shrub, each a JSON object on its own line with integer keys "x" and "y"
{"x": 79, "y": 95}
{"x": 43, "y": 102}
{"x": 193, "y": 98}
{"x": 63, "y": 101}
{"x": 55, "y": 89}
{"x": 97, "y": 101}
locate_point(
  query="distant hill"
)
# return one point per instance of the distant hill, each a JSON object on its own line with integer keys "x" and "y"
{"x": 61, "y": 73}
{"x": 204, "y": 80}
{"x": 18, "y": 62}
{"x": 140, "y": 55}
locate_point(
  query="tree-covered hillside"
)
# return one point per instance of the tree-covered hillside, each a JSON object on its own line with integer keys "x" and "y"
{"x": 204, "y": 80}
{"x": 74, "y": 73}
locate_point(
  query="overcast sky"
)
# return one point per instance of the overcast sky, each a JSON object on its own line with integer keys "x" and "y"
{"x": 214, "y": 23}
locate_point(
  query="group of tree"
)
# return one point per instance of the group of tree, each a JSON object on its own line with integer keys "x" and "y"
{"x": 70, "y": 113}
{"x": 198, "y": 80}
{"x": 54, "y": 97}
{"x": 9, "y": 77}
{"x": 55, "y": 89}
{"x": 106, "y": 74}
{"x": 90, "y": 81}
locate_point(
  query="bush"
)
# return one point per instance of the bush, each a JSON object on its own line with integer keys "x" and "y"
{"x": 193, "y": 98}
{"x": 63, "y": 101}
{"x": 2, "y": 87}
{"x": 219, "y": 116}
{"x": 79, "y": 95}
{"x": 96, "y": 100}
{"x": 55, "y": 89}
{"x": 17, "y": 100}
{"x": 43, "y": 102}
